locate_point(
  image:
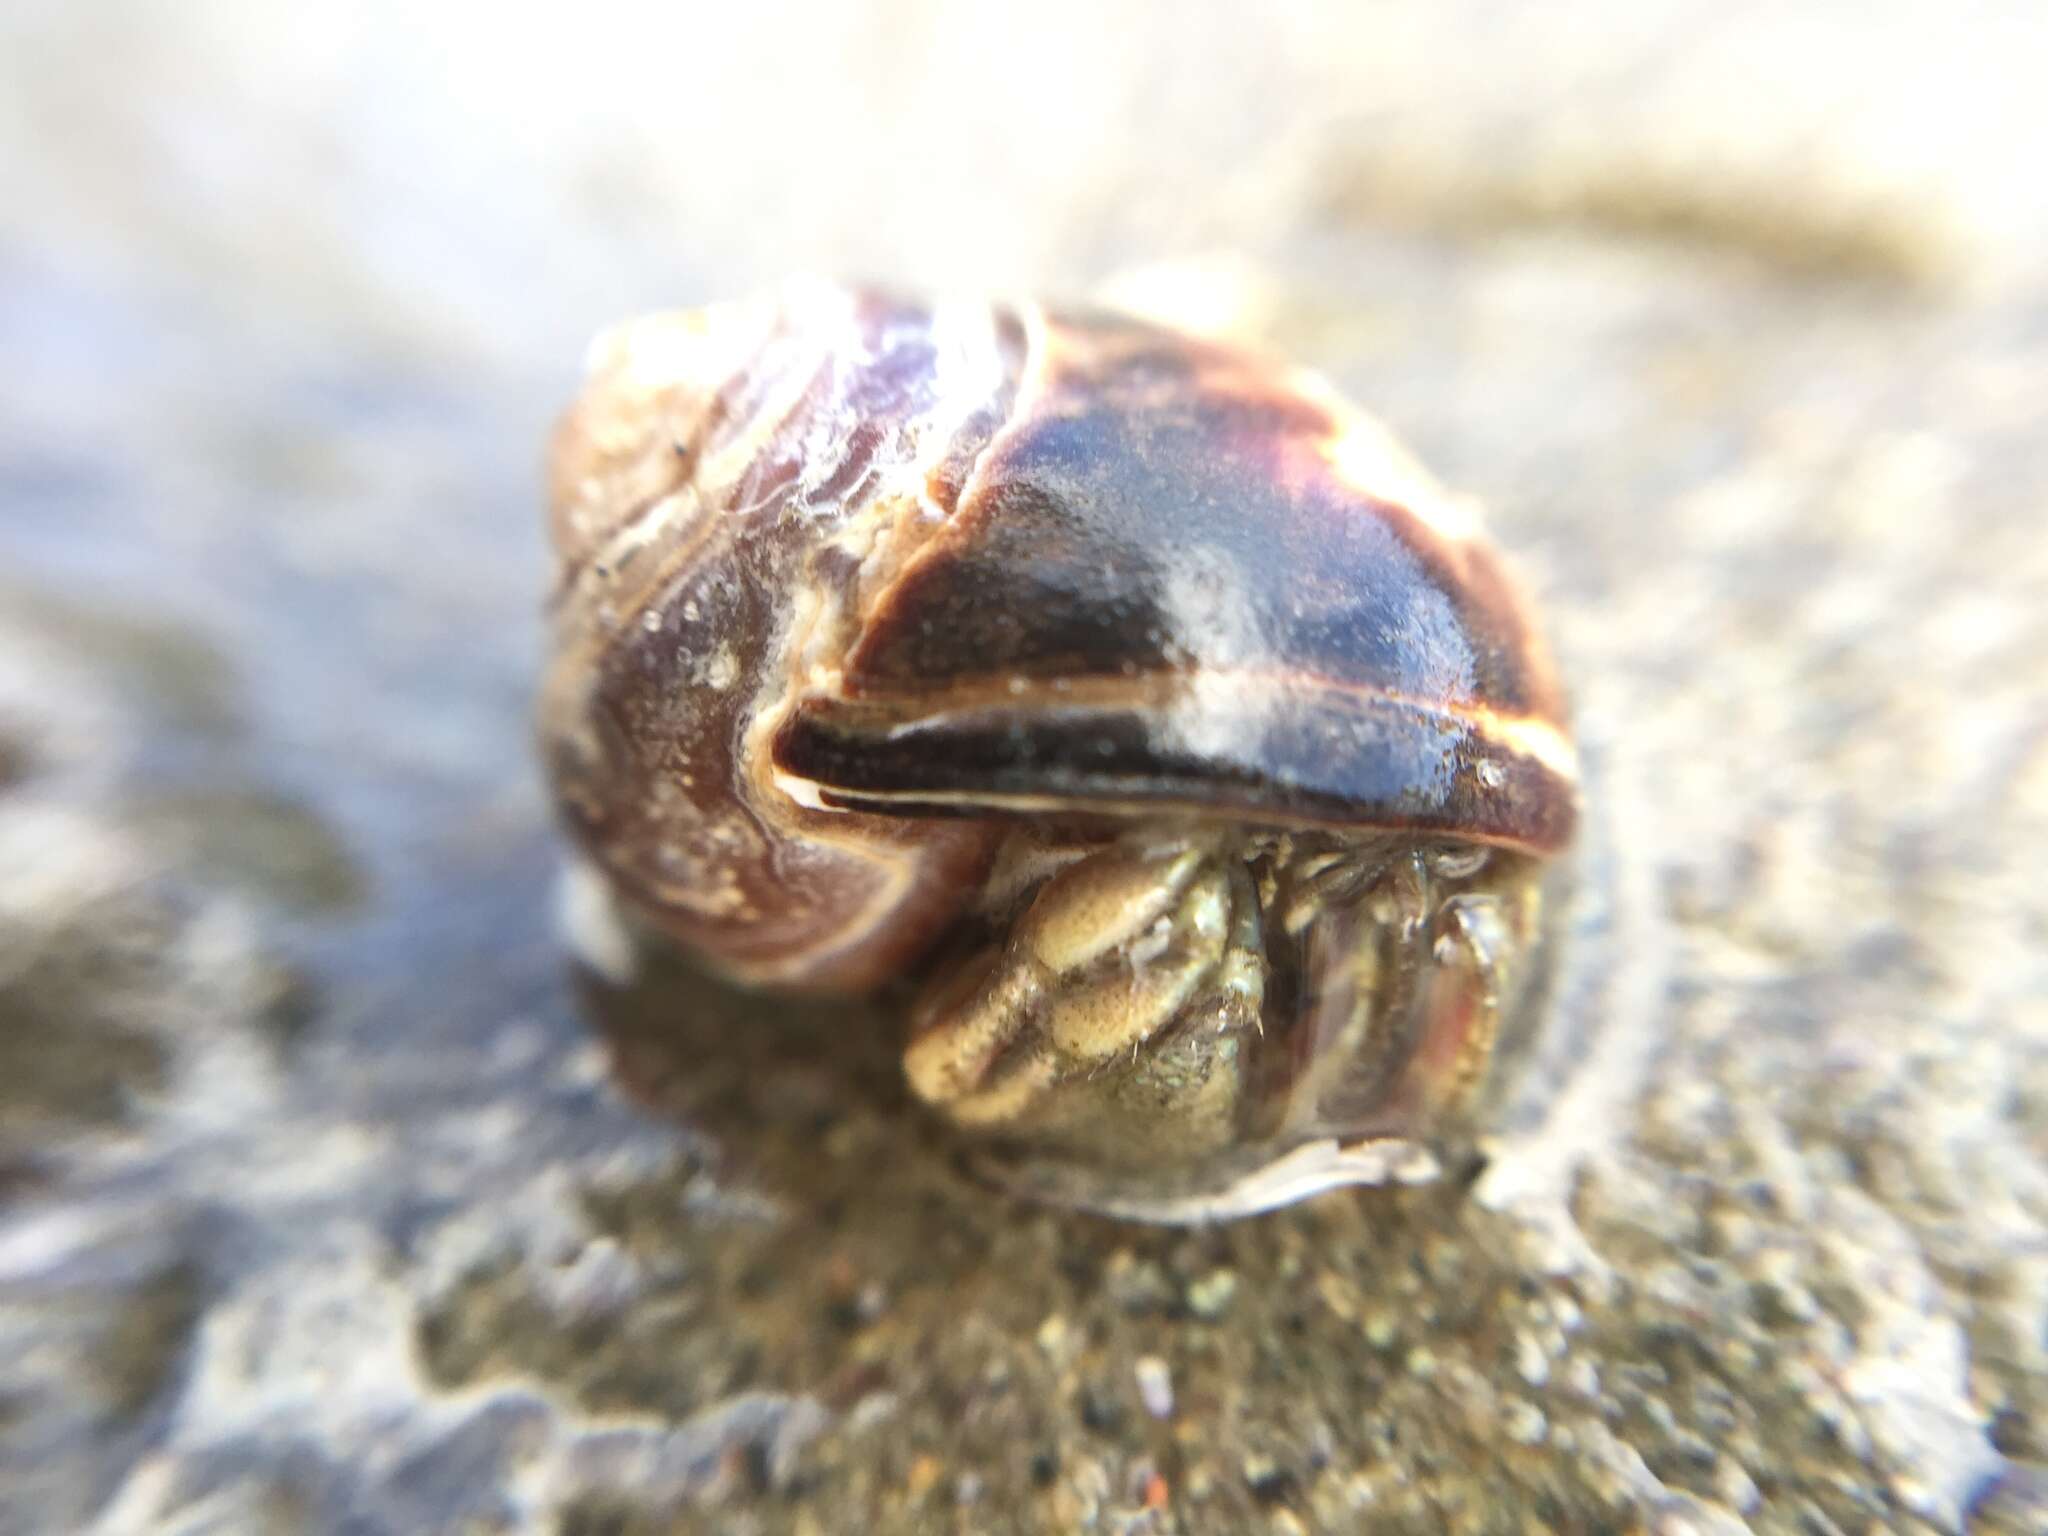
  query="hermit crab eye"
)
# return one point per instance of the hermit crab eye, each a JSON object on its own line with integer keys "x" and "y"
{"x": 1129, "y": 705}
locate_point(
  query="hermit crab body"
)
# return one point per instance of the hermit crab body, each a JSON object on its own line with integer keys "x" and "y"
{"x": 1138, "y": 710}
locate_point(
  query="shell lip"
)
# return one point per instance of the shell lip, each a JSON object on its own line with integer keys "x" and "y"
{"x": 1302, "y": 752}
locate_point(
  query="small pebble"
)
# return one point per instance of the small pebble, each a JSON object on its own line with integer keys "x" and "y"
{"x": 874, "y": 1409}
{"x": 871, "y": 1302}
{"x": 1155, "y": 1386}
{"x": 924, "y": 1476}
{"x": 1138, "y": 1285}
{"x": 1524, "y": 1423}
{"x": 1263, "y": 1475}
{"x": 1052, "y": 1334}
{"x": 1736, "y": 1487}
{"x": 1322, "y": 1446}
{"x": 1210, "y": 1297}
{"x": 1338, "y": 1294}
{"x": 1531, "y": 1363}
{"x": 1101, "y": 1411}
{"x": 1136, "y": 1476}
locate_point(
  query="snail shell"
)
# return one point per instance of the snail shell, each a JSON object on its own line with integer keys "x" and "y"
{"x": 1176, "y": 744}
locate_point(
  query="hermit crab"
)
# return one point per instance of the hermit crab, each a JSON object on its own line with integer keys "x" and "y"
{"x": 1128, "y": 706}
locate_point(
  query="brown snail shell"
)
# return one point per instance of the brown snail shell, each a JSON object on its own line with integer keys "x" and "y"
{"x": 1133, "y": 697}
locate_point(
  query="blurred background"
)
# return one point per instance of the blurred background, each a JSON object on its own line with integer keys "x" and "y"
{"x": 327, "y": 1204}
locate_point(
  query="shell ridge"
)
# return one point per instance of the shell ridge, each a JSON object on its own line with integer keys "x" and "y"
{"x": 941, "y": 540}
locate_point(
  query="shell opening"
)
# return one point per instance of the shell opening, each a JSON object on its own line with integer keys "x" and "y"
{"x": 1161, "y": 1020}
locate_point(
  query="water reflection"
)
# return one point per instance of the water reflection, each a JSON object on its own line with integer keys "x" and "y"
{"x": 803, "y": 1097}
